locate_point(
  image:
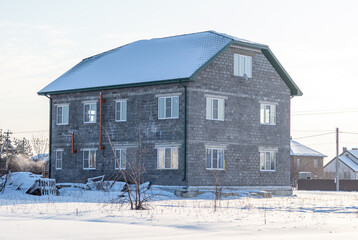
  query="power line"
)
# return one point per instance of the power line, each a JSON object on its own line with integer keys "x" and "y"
{"x": 322, "y": 113}
{"x": 317, "y": 135}
{"x": 36, "y": 131}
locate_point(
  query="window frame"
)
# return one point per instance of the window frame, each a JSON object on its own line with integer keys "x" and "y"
{"x": 264, "y": 152}
{"x": 89, "y": 158}
{"x": 57, "y": 160}
{"x": 84, "y": 112}
{"x": 120, "y": 159}
{"x": 171, "y": 158}
{"x": 218, "y": 158}
{"x": 263, "y": 114}
{"x": 62, "y": 118}
{"x": 221, "y": 103}
{"x": 238, "y": 60}
{"x": 171, "y": 107}
{"x": 121, "y": 102}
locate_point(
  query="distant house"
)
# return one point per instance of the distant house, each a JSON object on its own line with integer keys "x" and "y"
{"x": 305, "y": 159}
{"x": 348, "y": 165}
{"x": 204, "y": 103}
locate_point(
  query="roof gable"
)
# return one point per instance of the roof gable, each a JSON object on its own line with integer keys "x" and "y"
{"x": 155, "y": 61}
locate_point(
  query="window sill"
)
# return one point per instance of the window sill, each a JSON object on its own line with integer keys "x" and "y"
{"x": 219, "y": 120}
{"x": 61, "y": 124}
{"x": 168, "y": 118}
{"x": 58, "y": 168}
{"x": 122, "y": 169}
{"x": 89, "y": 169}
{"x": 121, "y": 120}
{"x": 89, "y": 122}
{"x": 215, "y": 169}
{"x": 268, "y": 124}
{"x": 267, "y": 170}
{"x": 167, "y": 168}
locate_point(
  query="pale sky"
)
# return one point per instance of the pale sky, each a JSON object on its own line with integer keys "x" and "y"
{"x": 316, "y": 42}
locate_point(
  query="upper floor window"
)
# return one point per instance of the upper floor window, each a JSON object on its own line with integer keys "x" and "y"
{"x": 89, "y": 110}
{"x": 120, "y": 161}
{"x": 167, "y": 158}
{"x": 215, "y": 158}
{"x": 59, "y": 154}
{"x": 315, "y": 163}
{"x": 242, "y": 65}
{"x": 268, "y": 114}
{"x": 267, "y": 160}
{"x": 168, "y": 107}
{"x": 89, "y": 159}
{"x": 62, "y": 114}
{"x": 215, "y": 108}
{"x": 121, "y": 111}
{"x": 298, "y": 162}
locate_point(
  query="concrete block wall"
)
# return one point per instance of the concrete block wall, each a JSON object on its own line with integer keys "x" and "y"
{"x": 142, "y": 117}
{"x": 241, "y": 132}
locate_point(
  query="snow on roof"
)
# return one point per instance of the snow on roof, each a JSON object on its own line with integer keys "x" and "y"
{"x": 297, "y": 149}
{"x": 354, "y": 153}
{"x": 144, "y": 61}
{"x": 349, "y": 162}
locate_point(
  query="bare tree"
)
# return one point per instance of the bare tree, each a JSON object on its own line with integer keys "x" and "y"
{"x": 218, "y": 188}
{"x": 40, "y": 144}
{"x": 133, "y": 175}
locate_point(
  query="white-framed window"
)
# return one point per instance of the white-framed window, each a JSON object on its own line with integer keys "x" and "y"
{"x": 242, "y": 65}
{"x": 89, "y": 159}
{"x": 121, "y": 159}
{"x": 89, "y": 112}
{"x": 315, "y": 163}
{"x": 215, "y": 108}
{"x": 215, "y": 159}
{"x": 62, "y": 114}
{"x": 59, "y": 154}
{"x": 267, "y": 160}
{"x": 267, "y": 114}
{"x": 168, "y": 107}
{"x": 298, "y": 162}
{"x": 167, "y": 158}
{"x": 121, "y": 110}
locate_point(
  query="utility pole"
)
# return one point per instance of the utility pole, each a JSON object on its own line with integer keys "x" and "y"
{"x": 337, "y": 161}
{"x": 23, "y": 146}
{"x": 7, "y": 148}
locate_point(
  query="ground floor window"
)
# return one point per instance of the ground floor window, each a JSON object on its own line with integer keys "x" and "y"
{"x": 89, "y": 159}
{"x": 214, "y": 158}
{"x": 267, "y": 160}
{"x": 121, "y": 159}
{"x": 167, "y": 158}
{"x": 59, "y": 154}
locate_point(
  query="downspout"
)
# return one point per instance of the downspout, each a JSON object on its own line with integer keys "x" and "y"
{"x": 50, "y": 139}
{"x": 185, "y": 127}
{"x": 101, "y": 147}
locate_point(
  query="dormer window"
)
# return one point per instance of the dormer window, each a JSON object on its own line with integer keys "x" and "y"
{"x": 242, "y": 65}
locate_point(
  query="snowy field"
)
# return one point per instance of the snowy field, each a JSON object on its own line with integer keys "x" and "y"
{"x": 81, "y": 214}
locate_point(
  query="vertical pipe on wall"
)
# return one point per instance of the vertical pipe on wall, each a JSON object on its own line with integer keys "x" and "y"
{"x": 73, "y": 143}
{"x": 185, "y": 127}
{"x": 101, "y": 147}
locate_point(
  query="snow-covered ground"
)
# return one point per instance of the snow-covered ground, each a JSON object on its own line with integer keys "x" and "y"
{"x": 84, "y": 214}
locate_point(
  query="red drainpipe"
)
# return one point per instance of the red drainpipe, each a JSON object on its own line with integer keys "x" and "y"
{"x": 73, "y": 143}
{"x": 101, "y": 147}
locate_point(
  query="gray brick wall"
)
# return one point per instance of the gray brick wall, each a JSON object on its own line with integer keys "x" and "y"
{"x": 241, "y": 132}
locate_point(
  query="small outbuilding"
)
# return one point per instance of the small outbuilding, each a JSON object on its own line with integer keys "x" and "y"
{"x": 305, "y": 160}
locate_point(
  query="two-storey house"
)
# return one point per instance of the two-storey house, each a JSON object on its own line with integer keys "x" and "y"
{"x": 203, "y": 103}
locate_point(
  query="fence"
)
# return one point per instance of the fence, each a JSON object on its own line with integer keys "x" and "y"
{"x": 327, "y": 185}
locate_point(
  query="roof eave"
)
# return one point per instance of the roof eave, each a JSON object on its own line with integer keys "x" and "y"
{"x": 295, "y": 91}
{"x": 114, "y": 86}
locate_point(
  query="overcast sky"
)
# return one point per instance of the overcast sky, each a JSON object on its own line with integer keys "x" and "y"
{"x": 316, "y": 42}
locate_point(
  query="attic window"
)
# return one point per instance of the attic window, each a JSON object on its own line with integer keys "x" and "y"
{"x": 242, "y": 65}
